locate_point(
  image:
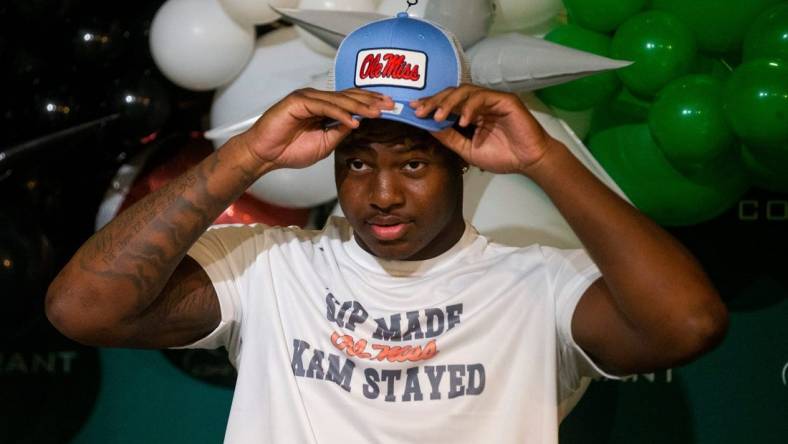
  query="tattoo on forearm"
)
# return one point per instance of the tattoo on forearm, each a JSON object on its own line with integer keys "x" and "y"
{"x": 172, "y": 219}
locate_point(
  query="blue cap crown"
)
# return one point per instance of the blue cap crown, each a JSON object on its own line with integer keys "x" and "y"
{"x": 404, "y": 58}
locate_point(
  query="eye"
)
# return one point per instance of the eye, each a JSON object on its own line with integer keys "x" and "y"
{"x": 357, "y": 165}
{"x": 415, "y": 165}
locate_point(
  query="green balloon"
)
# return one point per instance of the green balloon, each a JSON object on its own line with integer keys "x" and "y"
{"x": 715, "y": 66}
{"x": 637, "y": 165}
{"x": 602, "y": 15}
{"x": 718, "y": 25}
{"x": 586, "y": 92}
{"x": 756, "y": 102}
{"x": 661, "y": 46}
{"x": 623, "y": 109}
{"x": 687, "y": 121}
{"x": 768, "y": 35}
{"x": 768, "y": 168}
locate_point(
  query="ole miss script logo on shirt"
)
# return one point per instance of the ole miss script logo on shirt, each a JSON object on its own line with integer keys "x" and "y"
{"x": 391, "y": 67}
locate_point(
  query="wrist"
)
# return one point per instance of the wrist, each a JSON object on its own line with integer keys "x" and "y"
{"x": 552, "y": 153}
{"x": 250, "y": 157}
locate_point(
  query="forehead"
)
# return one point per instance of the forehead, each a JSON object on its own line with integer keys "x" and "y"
{"x": 398, "y": 147}
{"x": 395, "y": 137}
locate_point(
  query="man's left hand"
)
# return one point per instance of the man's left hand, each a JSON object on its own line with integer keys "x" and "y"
{"x": 507, "y": 139}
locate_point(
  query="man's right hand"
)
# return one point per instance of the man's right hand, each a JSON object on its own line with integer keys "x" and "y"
{"x": 292, "y": 133}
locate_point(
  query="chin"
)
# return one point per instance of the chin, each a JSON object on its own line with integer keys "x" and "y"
{"x": 394, "y": 251}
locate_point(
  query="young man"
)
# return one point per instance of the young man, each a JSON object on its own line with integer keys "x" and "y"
{"x": 400, "y": 323}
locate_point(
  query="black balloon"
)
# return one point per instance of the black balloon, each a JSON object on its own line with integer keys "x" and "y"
{"x": 56, "y": 108}
{"x": 143, "y": 102}
{"x": 40, "y": 24}
{"x": 25, "y": 267}
{"x": 23, "y": 67}
{"x": 98, "y": 43}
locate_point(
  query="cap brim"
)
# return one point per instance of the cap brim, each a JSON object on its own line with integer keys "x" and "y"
{"x": 405, "y": 114}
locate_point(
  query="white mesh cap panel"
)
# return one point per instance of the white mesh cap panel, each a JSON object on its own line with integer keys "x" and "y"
{"x": 465, "y": 65}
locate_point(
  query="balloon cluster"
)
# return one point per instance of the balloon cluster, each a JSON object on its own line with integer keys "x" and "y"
{"x": 207, "y": 45}
{"x": 700, "y": 116}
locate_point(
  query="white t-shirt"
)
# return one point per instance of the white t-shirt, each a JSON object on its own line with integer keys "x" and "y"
{"x": 334, "y": 345}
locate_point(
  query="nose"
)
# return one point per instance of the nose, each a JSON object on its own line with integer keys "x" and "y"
{"x": 386, "y": 192}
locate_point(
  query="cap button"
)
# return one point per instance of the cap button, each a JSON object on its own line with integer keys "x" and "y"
{"x": 402, "y": 15}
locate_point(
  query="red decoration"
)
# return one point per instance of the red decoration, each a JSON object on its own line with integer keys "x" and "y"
{"x": 246, "y": 210}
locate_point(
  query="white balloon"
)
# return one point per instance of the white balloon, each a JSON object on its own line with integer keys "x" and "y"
{"x": 578, "y": 121}
{"x": 514, "y": 15}
{"x": 469, "y": 21}
{"x": 334, "y": 5}
{"x": 534, "y": 30}
{"x": 197, "y": 45}
{"x": 514, "y": 62}
{"x": 329, "y": 26}
{"x": 255, "y": 12}
{"x": 280, "y": 64}
{"x": 393, "y": 7}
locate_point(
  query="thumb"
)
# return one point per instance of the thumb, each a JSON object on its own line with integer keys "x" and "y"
{"x": 455, "y": 141}
{"x": 336, "y": 134}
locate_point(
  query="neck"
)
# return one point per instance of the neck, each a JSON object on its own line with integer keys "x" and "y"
{"x": 442, "y": 243}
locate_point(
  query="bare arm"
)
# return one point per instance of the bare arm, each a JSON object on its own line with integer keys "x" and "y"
{"x": 119, "y": 281}
{"x": 129, "y": 284}
{"x": 654, "y": 307}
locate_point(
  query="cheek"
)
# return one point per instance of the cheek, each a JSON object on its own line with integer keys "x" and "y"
{"x": 349, "y": 194}
{"x": 437, "y": 197}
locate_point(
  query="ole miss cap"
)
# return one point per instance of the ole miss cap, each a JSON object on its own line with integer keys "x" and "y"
{"x": 404, "y": 58}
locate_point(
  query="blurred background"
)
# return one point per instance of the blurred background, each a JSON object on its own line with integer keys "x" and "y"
{"x": 106, "y": 101}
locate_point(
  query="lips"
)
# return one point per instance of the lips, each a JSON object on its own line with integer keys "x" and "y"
{"x": 388, "y": 227}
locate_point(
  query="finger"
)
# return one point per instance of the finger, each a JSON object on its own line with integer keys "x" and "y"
{"x": 368, "y": 97}
{"x": 473, "y": 108}
{"x": 371, "y": 98}
{"x": 316, "y": 108}
{"x": 335, "y": 135}
{"x": 427, "y": 105}
{"x": 364, "y": 93}
{"x": 451, "y": 103}
{"x": 455, "y": 141}
{"x": 483, "y": 103}
{"x": 379, "y": 101}
{"x": 346, "y": 102}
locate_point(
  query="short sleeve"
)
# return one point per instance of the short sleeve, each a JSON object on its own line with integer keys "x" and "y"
{"x": 228, "y": 254}
{"x": 570, "y": 273}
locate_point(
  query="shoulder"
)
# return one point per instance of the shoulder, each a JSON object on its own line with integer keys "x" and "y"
{"x": 495, "y": 254}
{"x": 262, "y": 232}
